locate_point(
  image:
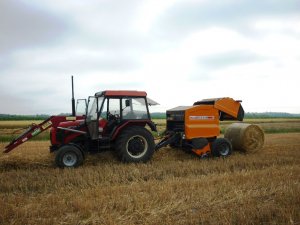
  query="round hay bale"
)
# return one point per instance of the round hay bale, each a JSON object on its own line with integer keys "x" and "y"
{"x": 245, "y": 137}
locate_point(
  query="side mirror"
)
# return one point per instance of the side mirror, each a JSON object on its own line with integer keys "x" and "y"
{"x": 127, "y": 102}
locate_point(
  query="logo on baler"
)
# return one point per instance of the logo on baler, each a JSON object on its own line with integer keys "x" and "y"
{"x": 202, "y": 117}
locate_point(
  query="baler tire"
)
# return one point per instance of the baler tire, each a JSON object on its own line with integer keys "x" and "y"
{"x": 68, "y": 156}
{"x": 221, "y": 147}
{"x": 135, "y": 144}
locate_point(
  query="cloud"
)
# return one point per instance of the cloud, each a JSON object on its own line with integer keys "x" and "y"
{"x": 26, "y": 26}
{"x": 8, "y": 106}
{"x": 65, "y": 59}
{"x": 179, "y": 51}
{"x": 232, "y": 58}
{"x": 186, "y": 16}
{"x": 23, "y": 25}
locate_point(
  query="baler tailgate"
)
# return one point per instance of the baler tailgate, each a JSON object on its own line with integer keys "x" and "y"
{"x": 29, "y": 133}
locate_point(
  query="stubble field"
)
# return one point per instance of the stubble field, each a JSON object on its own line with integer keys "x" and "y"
{"x": 173, "y": 188}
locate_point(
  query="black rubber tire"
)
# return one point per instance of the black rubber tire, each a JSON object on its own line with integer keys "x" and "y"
{"x": 221, "y": 147}
{"x": 135, "y": 144}
{"x": 68, "y": 156}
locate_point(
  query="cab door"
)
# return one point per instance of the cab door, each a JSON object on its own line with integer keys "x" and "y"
{"x": 92, "y": 118}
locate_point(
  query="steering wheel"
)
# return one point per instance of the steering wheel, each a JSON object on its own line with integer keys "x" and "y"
{"x": 113, "y": 116}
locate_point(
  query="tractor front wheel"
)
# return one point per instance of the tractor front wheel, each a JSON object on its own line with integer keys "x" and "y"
{"x": 68, "y": 156}
{"x": 221, "y": 147}
{"x": 135, "y": 144}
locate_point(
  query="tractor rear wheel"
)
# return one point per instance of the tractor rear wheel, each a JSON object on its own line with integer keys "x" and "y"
{"x": 135, "y": 144}
{"x": 221, "y": 147}
{"x": 68, "y": 156}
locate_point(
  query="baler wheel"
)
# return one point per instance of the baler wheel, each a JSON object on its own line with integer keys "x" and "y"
{"x": 135, "y": 144}
{"x": 221, "y": 147}
{"x": 68, "y": 156}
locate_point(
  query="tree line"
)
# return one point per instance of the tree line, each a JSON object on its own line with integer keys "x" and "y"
{"x": 157, "y": 115}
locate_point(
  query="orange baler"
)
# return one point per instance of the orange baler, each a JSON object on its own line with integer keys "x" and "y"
{"x": 197, "y": 127}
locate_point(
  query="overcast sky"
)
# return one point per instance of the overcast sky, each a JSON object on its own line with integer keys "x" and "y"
{"x": 179, "y": 51}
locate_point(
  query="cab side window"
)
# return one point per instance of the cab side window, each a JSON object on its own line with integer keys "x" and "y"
{"x": 134, "y": 108}
{"x": 114, "y": 106}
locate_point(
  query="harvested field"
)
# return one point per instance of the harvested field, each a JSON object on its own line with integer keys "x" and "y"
{"x": 17, "y": 124}
{"x": 174, "y": 188}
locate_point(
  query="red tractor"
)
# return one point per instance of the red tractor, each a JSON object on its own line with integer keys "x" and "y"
{"x": 112, "y": 120}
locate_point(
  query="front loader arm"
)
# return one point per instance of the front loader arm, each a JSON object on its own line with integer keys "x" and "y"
{"x": 29, "y": 133}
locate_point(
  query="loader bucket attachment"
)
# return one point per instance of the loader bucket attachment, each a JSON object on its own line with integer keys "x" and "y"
{"x": 35, "y": 129}
{"x": 32, "y": 131}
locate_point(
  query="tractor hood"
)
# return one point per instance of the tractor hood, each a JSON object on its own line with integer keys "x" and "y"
{"x": 71, "y": 123}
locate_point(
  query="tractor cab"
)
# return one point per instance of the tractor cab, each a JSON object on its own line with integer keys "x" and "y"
{"x": 109, "y": 111}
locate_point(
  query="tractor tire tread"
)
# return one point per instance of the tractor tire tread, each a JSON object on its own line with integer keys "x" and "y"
{"x": 120, "y": 144}
{"x": 68, "y": 148}
{"x": 219, "y": 143}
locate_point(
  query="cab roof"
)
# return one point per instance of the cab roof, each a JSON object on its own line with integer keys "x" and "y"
{"x": 125, "y": 93}
{"x": 120, "y": 93}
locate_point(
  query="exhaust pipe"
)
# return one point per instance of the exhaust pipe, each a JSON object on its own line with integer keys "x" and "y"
{"x": 73, "y": 99}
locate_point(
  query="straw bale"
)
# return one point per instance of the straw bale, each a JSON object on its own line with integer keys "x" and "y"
{"x": 245, "y": 137}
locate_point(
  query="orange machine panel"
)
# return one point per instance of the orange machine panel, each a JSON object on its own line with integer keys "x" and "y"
{"x": 228, "y": 105}
{"x": 201, "y": 121}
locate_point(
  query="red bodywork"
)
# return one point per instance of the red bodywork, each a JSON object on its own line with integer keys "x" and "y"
{"x": 76, "y": 125}
{"x": 110, "y": 93}
{"x": 71, "y": 135}
{"x": 134, "y": 123}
